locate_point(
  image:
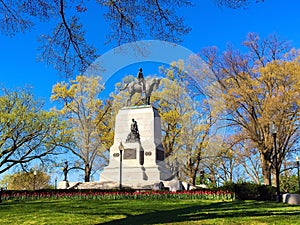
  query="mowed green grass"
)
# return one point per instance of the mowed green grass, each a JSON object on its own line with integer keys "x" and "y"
{"x": 67, "y": 211}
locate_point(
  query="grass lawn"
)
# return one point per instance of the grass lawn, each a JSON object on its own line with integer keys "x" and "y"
{"x": 67, "y": 211}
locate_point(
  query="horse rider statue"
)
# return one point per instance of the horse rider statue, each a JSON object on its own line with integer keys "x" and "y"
{"x": 141, "y": 80}
{"x": 143, "y": 86}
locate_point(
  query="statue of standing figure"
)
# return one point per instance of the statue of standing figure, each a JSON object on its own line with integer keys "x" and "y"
{"x": 65, "y": 170}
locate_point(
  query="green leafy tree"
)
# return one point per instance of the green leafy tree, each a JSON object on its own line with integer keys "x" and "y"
{"x": 5, "y": 181}
{"x": 27, "y": 132}
{"x": 32, "y": 180}
{"x": 289, "y": 183}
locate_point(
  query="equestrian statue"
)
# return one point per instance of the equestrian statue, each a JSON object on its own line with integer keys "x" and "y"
{"x": 143, "y": 86}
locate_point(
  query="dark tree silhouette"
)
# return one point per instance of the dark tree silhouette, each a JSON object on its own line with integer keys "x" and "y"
{"x": 65, "y": 46}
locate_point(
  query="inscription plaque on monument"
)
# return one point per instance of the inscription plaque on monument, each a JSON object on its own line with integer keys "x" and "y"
{"x": 130, "y": 153}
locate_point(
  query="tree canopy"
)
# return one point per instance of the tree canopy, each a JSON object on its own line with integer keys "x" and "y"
{"x": 27, "y": 132}
{"x": 259, "y": 88}
{"x": 31, "y": 180}
{"x": 88, "y": 118}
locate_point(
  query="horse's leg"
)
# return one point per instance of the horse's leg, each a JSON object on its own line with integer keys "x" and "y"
{"x": 129, "y": 100}
{"x": 145, "y": 95}
{"x": 147, "y": 100}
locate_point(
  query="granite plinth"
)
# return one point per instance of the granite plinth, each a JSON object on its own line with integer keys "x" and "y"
{"x": 142, "y": 161}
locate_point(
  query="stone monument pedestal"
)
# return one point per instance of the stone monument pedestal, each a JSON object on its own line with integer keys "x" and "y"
{"x": 142, "y": 165}
{"x": 63, "y": 185}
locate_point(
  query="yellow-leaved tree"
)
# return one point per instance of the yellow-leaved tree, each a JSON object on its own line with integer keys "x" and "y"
{"x": 89, "y": 118}
{"x": 31, "y": 180}
{"x": 259, "y": 88}
{"x": 186, "y": 122}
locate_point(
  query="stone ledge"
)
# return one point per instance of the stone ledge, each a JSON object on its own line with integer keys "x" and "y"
{"x": 292, "y": 199}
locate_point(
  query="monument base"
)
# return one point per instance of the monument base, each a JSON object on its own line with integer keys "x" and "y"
{"x": 63, "y": 185}
{"x": 137, "y": 177}
{"x": 141, "y": 161}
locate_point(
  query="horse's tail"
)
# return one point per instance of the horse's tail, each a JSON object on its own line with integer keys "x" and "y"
{"x": 123, "y": 88}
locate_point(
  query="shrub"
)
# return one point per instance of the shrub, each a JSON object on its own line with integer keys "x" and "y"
{"x": 251, "y": 191}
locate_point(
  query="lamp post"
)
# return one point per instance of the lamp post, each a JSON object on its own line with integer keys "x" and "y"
{"x": 55, "y": 183}
{"x": 298, "y": 174}
{"x": 273, "y": 130}
{"x": 218, "y": 181}
{"x": 1, "y": 194}
{"x": 34, "y": 179}
{"x": 121, "y": 148}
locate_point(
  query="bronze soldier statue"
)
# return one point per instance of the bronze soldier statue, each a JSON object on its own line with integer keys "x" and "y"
{"x": 141, "y": 79}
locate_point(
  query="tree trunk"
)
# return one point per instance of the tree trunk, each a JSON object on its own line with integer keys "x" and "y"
{"x": 192, "y": 179}
{"x": 266, "y": 169}
{"x": 87, "y": 173}
{"x": 191, "y": 175}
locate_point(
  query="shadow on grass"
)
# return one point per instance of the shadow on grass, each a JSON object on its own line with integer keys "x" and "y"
{"x": 221, "y": 210}
{"x": 152, "y": 212}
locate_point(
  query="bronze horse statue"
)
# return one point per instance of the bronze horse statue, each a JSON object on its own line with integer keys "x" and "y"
{"x": 147, "y": 88}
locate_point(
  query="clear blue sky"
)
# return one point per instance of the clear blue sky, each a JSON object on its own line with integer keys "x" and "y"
{"x": 211, "y": 26}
